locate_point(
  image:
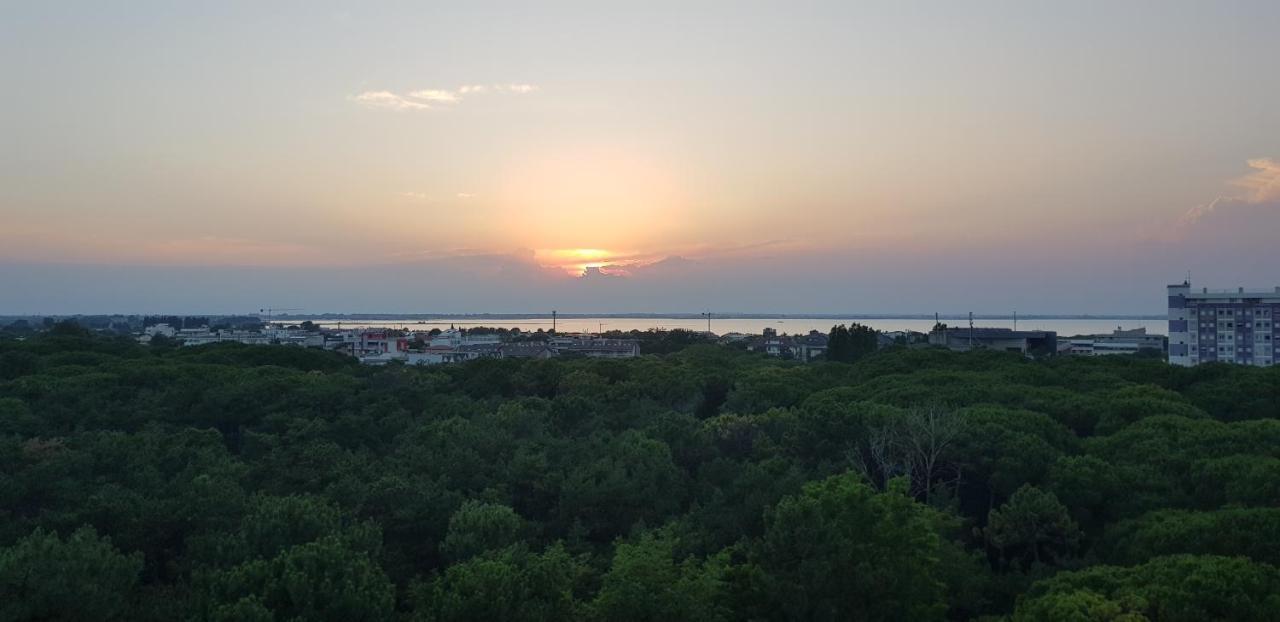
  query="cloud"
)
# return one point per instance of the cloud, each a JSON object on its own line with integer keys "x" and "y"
{"x": 466, "y": 195}
{"x": 388, "y": 100}
{"x": 1264, "y": 183}
{"x": 423, "y": 99}
{"x": 436, "y": 95}
{"x": 1260, "y": 186}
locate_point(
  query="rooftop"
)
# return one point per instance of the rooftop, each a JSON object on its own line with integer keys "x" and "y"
{"x": 999, "y": 333}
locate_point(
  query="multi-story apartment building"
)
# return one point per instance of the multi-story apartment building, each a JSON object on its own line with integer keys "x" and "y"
{"x": 1228, "y": 326}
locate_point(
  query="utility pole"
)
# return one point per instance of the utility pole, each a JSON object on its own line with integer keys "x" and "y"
{"x": 553, "y": 320}
{"x": 971, "y": 330}
{"x": 1015, "y": 320}
{"x": 708, "y": 316}
{"x": 270, "y": 312}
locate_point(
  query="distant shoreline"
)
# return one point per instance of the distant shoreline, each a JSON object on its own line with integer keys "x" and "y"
{"x": 716, "y": 316}
{"x": 635, "y": 316}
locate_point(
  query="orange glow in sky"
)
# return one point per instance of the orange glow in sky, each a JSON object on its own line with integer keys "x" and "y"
{"x": 575, "y": 260}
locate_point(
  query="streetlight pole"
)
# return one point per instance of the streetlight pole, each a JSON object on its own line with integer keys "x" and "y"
{"x": 708, "y": 316}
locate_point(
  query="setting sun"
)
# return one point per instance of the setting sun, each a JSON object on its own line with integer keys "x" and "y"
{"x": 576, "y": 260}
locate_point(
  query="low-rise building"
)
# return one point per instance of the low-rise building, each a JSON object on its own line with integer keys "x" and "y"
{"x": 1004, "y": 339}
{"x": 529, "y": 350}
{"x": 1120, "y": 341}
{"x": 456, "y": 337}
{"x": 811, "y": 346}
{"x": 594, "y": 347}
{"x": 204, "y": 336}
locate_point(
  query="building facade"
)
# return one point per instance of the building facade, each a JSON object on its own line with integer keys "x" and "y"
{"x": 1026, "y": 342}
{"x": 1224, "y": 326}
{"x": 1120, "y": 341}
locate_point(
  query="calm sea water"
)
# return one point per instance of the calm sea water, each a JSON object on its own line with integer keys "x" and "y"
{"x": 1064, "y": 327}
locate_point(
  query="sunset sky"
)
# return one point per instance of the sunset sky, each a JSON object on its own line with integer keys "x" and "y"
{"x": 831, "y": 157}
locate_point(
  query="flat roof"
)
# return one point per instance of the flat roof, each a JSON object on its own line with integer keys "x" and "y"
{"x": 1235, "y": 294}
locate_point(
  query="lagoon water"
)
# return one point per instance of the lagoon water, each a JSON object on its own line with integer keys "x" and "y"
{"x": 1064, "y": 327}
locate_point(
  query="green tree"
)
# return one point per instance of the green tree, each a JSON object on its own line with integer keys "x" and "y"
{"x": 16, "y": 418}
{"x": 848, "y": 344}
{"x": 478, "y": 527}
{"x": 1000, "y": 450}
{"x": 842, "y": 551}
{"x": 1247, "y": 532}
{"x": 43, "y": 577}
{"x": 1033, "y": 527}
{"x": 510, "y": 584}
{"x": 646, "y": 583}
{"x": 15, "y": 363}
{"x": 322, "y": 580}
{"x": 634, "y": 480}
{"x": 1179, "y": 588}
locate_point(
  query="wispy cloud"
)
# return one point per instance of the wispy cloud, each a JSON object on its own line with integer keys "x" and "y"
{"x": 1264, "y": 183}
{"x": 388, "y": 100}
{"x": 466, "y": 195}
{"x": 436, "y": 95}
{"x": 426, "y": 99}
{"x": 1260, "y": 186}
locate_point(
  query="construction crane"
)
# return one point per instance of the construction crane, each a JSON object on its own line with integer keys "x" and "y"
{"x": 269, "y": 311}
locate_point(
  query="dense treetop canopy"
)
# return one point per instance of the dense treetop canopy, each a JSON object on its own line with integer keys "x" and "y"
{"x": 232, "y": 482}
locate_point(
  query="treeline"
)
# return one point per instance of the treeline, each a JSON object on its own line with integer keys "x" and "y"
{"x": 233, "y": 482}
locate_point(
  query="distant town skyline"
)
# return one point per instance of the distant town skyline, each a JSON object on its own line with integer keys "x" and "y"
{"x": 868, "y": 157}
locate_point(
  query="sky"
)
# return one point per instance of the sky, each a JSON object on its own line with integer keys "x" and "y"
{"x": 788, "y": 157}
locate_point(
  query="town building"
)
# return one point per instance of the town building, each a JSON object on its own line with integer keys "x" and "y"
{"x": 968, "y": 338}
{"x": 456, "y": 338}
{"x": 805, "y": 348}
{"x": 376, "y": 342}
{"x": 1230, "y": 326}
{"x": 811, "y": 346}
{"x": 157, "y": 330}
{"x": 592, "y": 346}
{"x": 203, "y": 336}
{"x": 1119, "y": 341}
{"x": 530, "y": 350}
